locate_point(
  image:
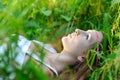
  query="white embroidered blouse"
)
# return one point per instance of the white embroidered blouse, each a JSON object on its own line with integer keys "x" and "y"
{"x": 23, "y": 45}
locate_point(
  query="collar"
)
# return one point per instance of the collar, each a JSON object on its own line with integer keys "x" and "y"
{"x": 41, "y": 61}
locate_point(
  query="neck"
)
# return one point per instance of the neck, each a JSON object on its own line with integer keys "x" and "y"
{"x": 60, "y": 60}
{"x": 66, "y": 58}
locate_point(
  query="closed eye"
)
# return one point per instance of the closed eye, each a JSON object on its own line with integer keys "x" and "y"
{"x": 87, "y": 36}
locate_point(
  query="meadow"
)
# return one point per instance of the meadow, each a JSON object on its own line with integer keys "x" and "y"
{"x": 48, "y": 21}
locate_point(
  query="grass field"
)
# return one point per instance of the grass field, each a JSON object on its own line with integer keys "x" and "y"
{"x": 49, "y": 20}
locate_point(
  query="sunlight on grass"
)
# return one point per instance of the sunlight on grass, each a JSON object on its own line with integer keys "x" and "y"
{"x": 49, "y": 20}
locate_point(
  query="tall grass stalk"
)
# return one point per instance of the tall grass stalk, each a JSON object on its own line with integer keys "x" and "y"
{"x": 49, "y": 20}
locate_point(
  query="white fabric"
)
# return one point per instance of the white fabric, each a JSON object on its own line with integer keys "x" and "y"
{"x": 22, "y": 49}
{"x": 23, "y": 46}
{"x": 44, "y": 63}
{"x": 3, "y": 48}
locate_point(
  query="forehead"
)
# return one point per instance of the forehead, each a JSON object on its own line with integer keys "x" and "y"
{"x": 90, "y": 30}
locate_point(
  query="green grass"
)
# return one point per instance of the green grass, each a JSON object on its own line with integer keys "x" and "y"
{"x": 49, "y": 20}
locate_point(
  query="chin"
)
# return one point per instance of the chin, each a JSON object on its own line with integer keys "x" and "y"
{"x": 64, "y": 39}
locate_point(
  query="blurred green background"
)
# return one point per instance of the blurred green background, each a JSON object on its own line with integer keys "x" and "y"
{"x": 49, "y": 20}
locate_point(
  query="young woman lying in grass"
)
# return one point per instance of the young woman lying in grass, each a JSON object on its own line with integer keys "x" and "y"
{"x": 75, "y": 46}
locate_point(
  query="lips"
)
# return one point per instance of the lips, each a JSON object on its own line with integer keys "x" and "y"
{"x": 69, "y": 35}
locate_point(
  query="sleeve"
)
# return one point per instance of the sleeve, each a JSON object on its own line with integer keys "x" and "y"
{"x": 23, "y": 46}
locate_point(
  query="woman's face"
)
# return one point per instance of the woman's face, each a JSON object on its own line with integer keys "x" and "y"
{"x": 80, "y": 40}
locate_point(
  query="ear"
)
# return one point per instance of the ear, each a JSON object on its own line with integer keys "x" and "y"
{"x": 80, "y": 58}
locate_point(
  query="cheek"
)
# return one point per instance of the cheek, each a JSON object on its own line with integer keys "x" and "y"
{"x": 82, "y": 44}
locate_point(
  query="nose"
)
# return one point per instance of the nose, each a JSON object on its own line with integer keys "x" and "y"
{"x": 79, "y": 31}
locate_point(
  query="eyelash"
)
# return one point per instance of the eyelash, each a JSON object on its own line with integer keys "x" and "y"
{"x": 87, "y": 37}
